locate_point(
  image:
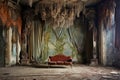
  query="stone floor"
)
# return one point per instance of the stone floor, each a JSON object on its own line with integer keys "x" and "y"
{"x": 77, "y": 72}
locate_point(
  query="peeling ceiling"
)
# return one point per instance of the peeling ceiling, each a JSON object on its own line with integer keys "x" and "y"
{"x": 58, "y": 13}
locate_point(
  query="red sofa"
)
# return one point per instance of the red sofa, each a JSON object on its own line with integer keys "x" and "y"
{"x": 60, "y": 59}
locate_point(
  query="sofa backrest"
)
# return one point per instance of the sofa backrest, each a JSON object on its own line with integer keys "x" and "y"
{"x": 59, "y": 57}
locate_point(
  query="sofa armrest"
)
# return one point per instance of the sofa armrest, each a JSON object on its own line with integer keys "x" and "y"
{"x": 49, "y": 59}
{"x": 69, "y": 60}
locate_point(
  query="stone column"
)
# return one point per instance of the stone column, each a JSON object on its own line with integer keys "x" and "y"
{"x": 23, "y": 53}
{"x": 8, "y": 46}
{"x": 17, "y": 50}
{"x": 94, "y": 60}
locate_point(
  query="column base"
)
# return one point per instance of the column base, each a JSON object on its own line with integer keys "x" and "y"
{"x": 94, "y": 62}
{"x": 25, "y": 61}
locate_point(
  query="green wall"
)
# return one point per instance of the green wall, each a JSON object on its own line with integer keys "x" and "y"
{"x": 48, "y": 41}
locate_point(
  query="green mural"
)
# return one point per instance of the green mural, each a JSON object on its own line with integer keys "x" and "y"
{"x": 56, "y": 41}
{"x": 60, "y": 40}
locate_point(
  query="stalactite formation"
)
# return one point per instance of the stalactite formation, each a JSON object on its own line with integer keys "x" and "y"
{"x": 57, "y": 13}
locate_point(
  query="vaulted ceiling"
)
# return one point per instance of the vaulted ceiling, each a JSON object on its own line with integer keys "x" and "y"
{"x": 30, "y": 2}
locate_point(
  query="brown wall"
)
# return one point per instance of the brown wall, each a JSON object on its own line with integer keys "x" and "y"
{"x": 2, "y": 48}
